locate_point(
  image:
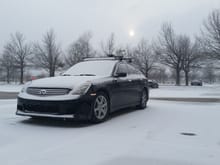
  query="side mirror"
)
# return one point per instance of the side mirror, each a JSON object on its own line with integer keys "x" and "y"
{"x": 121, "y": 74}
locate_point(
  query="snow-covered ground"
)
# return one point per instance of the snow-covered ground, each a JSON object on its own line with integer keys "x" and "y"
{"x": 10, "y": 88}
{"x": 206, "y": 91}
{"x": 141, "y": 137}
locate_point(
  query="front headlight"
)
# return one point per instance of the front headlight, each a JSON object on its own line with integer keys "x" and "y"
{"x": 23, "y": 90}
{"x": 25, "y": 87}
{"x": 81, "y": 90}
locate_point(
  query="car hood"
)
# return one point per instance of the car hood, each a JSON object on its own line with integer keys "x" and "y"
{"x": 62, "y": 81}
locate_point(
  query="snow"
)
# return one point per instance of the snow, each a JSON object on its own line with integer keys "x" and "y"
{"x": 10, "y": 88}
{"x": 151, "y": 136}
{"x": 93, "y": 67}
{"x": 62, "y": 81}
{"x": 206, "y": 91}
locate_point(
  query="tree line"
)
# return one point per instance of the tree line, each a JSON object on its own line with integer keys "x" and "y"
{"x": 180, "y": 52}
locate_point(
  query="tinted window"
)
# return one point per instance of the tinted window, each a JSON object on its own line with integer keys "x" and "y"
{"x": 132, "y": 70}
{"x": 122, "y": 68}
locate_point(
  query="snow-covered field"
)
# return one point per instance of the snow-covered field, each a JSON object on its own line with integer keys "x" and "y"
{"x": 141, "y": 137}
{"x": 206, "y": 91}
{"x": 10, "y": 88}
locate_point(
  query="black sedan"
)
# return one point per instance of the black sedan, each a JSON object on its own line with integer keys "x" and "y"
{"x": 196, "y": 83}
{"x": 153, "y": 84}
{"x": 90, "y": 90}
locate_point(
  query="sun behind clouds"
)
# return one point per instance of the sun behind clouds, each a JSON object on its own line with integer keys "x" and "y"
{"x": 131, "y": 33}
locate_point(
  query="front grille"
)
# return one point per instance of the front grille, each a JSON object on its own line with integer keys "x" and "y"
{"x": 47, "y": 91}
{"x": 41, "y": 109}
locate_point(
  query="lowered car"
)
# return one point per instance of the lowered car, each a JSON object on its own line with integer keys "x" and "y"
{"x": 89, "y": 90}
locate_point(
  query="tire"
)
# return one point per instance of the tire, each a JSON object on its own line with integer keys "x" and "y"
{"x": 100, "y": 108}
{"x": 143, "y": 101}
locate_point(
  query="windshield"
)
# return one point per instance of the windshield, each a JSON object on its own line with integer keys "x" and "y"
{"x": 91, "y": 68}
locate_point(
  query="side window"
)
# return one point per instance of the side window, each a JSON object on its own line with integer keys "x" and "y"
{"x": 132, "y": 70}
{"x": 138, "y": 71}
{"x": 122, "y": 68}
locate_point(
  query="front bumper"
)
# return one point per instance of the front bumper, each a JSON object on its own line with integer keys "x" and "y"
{"x": 79, "y": 109}
{"x": 35, "y": 114}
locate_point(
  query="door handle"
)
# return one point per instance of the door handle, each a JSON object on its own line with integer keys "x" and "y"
{"x": 115, "y": 80}
{"x": 129, "y": 80}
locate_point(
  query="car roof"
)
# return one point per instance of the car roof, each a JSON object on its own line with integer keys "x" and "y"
{"x": 109, "y": 57}
{"x": 98, "y": 59}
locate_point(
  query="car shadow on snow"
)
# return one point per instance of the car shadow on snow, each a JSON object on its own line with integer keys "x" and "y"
{"x": 49, "y": 122}
{"x": 123, "y": 112}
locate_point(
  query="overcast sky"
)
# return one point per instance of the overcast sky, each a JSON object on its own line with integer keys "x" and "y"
{"x": 70, "y": 18}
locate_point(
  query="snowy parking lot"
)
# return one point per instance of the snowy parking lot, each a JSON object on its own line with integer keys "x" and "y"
{"x": 132, "y": 137}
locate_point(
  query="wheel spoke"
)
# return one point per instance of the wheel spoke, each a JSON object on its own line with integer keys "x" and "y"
{"x": 101, "y": 114}
{"x": 104, "y": 105}
{"x": 99, "y": 101}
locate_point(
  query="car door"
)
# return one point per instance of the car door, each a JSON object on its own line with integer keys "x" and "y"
{"x": 135, "y": 87}
{"x": 120, "y": 88}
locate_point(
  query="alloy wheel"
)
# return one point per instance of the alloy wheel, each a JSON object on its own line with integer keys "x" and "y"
{"x": 100, "y": 107}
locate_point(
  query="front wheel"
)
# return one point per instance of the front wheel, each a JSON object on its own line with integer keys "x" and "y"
{"x": 100, "y": 108}
{"x": 143, "y": 101}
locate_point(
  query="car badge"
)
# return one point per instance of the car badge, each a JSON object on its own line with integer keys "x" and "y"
{"x": 43, "y": 92}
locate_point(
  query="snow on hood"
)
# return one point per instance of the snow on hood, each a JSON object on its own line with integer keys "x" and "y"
{"x": 62, "y": 81}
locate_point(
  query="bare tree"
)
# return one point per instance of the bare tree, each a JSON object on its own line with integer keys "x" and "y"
{"x": 211, "y": 35}
{"x": 19, "y": 50}
{"x": 209, "y": 73}
{"x": 109, "y": 47}
{"x": 159, "y": 74}
{"x": 168, "y": 49}
{"x": 144, "y": 57}
{"x": 191, "y": 55}
{"x": 48, "y": 54}
{"x": 129, "y": 51}
{"x": 7, "y": 65}
{"x": 80, "y": 49}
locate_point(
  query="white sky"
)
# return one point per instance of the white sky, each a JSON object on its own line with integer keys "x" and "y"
{"x": 70, "y": 18}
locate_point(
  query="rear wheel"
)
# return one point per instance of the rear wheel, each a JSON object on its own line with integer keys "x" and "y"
{"x": 143, "y": 101}
{"x": 100, "y": 108}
